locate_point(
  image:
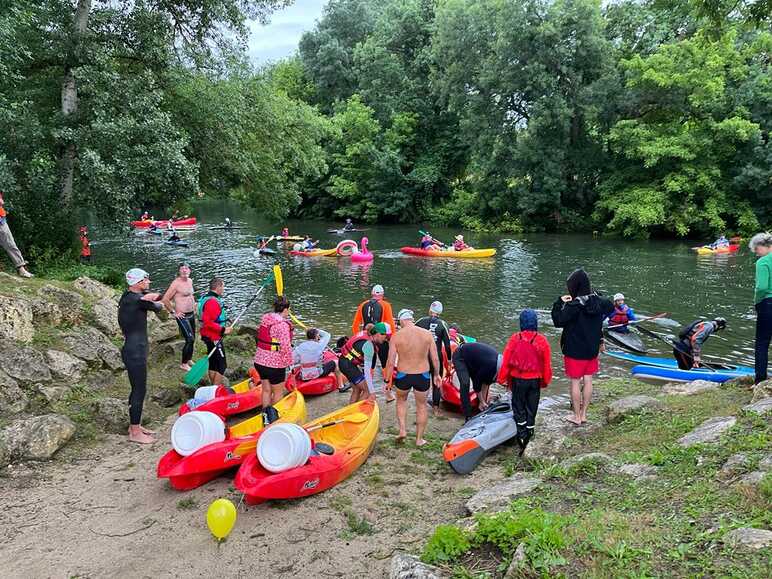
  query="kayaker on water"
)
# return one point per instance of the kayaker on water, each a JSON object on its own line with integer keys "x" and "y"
{"x": 212, "y": 314}
{"x": 761, "y": 245}
{"x": 228, "y": 223}
{"x": 349, "y": 226}
{"x": 174, "y": 237}
{"x": 687, "y": 349}
{"x": 621, "y": 316}
{"x": 310, "y": 356}
{"x": 526, "y": 368}
{"x": 8, "y": 243}
{"x": 308, "y": 245}
{"x": 146, "y": 217}
{"x": 479, "y": 363}
{"x": 274, "y": 355}
{"x": 428, "y": 243}
{"x": 85, "y": 245}
{"x": 178, "y": 300}
{"x": 722, "y": 241}
{"x": 581, "y": 315}
{"x": 418, "y": 364}
{"x": 459, "y": 244}
{"x": 372, "y": 311}
{"x": 133, "y": 307}
{"x": 285, "y": 232}
{"x": 175, "y": 216}
{"x": 357, "y": 359}
{"x": 441, "y": 336}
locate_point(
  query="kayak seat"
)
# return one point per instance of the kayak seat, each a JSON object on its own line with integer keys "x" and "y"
{"x": 322, "y": 448}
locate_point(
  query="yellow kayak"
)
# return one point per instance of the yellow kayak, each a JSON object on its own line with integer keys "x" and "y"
{"x": 705, "y": 250}
{"x": 467, "y": 253}
{"x": 315, "y": 252}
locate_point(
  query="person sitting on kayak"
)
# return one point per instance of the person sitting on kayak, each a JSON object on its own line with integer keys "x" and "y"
{"x": 175, "y": 216}
{"x": 349, "y": 225}
{"x": 174, "y": 237}
{"x": 310, "y": 356}
{"x": 228, "y": 223}
{"x": 357, "y": 359}
{"x": 687, "y": 350}
{"x": 308, "y": 245}
{"x": 722, "y": 241}
{"x": 526, "y": 368}
{"x": 285, "y": 232}
{"x": 621, "y": 316}
{"x": 85, "y": 245}
{"x": 427, "y": 243}
{"x": 274, "y": 355}
{"x": 459, "y": 244}
{"x": 146, "y": 217}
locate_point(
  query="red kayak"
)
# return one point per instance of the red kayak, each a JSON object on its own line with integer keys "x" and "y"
{"x": 188, "y": 472}
{"x": 147, "y": 223}
{"x": 316, "y": 386}
{"x": 452, "y": 394}
{"x": 226, "y": 404}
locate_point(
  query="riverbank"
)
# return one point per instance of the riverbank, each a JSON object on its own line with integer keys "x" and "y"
{"x": 618, "y": 497}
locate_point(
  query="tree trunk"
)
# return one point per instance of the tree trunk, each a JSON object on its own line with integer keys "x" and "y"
{"x": 70, "y": 100}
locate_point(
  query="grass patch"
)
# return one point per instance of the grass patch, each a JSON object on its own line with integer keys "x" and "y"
{"x": 187, "y": 504}
{"x": 357, "y": 525}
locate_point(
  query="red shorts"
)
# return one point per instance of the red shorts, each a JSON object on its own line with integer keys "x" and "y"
{"x": 578, "y": 368}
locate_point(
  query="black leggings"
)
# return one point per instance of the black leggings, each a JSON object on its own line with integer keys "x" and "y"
{"x": 525, "y": 405}
{"x": 763, "y": 337}
{"x": 685, "y": 361}
{"x": 136, "y": 366}
{"x": 462, "y": 372}
{"x": 187, "y": 327}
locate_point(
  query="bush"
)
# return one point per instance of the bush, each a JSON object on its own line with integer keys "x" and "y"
{"x": 51, "y": 265}
{"x": 446, "y": 545}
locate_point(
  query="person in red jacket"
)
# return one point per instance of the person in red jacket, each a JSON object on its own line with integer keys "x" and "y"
{"x": 85, "y": 245}
{"x": 526, "y": 369}
{"x": 211, "y": 312}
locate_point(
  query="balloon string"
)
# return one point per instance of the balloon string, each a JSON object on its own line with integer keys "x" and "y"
{"x": 241, "y": 501}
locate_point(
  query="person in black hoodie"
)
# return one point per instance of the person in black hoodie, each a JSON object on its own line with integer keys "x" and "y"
{"x": 581, "y": 316}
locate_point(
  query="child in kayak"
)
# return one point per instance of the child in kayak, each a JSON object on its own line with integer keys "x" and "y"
{"x": 526, "y": 369}
{"x": 460, "y": 245}
{"x": 621, "y": 316}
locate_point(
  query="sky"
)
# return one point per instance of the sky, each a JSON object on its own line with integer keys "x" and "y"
{"x": 280, "y": 37}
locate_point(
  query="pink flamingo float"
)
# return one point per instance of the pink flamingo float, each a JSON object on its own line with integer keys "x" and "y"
{"x": 364, "y": 254}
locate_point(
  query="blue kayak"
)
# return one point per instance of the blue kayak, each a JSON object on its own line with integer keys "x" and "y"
{"x": 676, "y": 375}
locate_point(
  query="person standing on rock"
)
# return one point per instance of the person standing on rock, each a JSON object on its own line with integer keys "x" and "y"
{"x": 180, "y": 293}
{"x": 133, "y": 307}
{"x": 581, "y": 315}
{"x": 761, "y": 245}
{"x": 211, "y": 312}
{"x": 9, "y": 244}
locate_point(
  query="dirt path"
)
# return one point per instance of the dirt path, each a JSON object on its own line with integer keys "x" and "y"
{"x": 104, "y": 514}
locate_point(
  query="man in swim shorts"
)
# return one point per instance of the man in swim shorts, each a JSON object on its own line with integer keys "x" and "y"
{"x": 418, "y": 364}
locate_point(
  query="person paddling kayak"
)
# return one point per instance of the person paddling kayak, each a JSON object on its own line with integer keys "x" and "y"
{"x": 621, "y": 316}
{"x": 687, "y": 349}
{"x": 722, "y": 241}
{"x": 349, "y": 226}
{"x": 357, "y": 359}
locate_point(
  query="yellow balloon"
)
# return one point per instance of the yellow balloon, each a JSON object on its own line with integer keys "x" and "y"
{"x": 220, "y": 518}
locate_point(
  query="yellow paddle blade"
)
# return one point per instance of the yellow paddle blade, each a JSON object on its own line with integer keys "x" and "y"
{"x": 297, "y": 321}
{"x": 279, "y": 279}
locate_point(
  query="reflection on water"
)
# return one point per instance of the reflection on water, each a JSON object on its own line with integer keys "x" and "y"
{"x": 483, "y": 296}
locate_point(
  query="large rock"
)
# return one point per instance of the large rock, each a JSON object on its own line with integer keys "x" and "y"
{"x": 247, "y": 329}
{"x": 16, "y": 320}
{"x": 404, "y": 566}
{"x": 105, "y": 314}
{"x": 620, "y": 409}
{"x": 112, "y": 414}
{"x": 498, "y": 497}
{"x": 708, "y": 432}
{"x": 552, "y": 430}
{"x": 12, "y": 398}
{"x": 748, "y": 539}
{"x": 51, "y": 393}
{"x": 735, "y": 465}
{"x": 65, "y": 366}
{"x": 69, "y": 303}
{"x": 760, "y": 406}
{"x": 94, "y": 347}
{"x": 762, "y": 390}
{"x": 518, "y": 563}
{"x": 94, "y": 288}
{"x": 586, "y": 461}
{"x": 46, "y": 313}
{"x": 37, "y": 438}
{"x": 752, "y": 479}
{"x": 638, "y": 471}
{"x": 739, "y": 382}
{"x": 167, "y": 397}
{"x": 689, "y": 388}
{"x": 23, "y": 364}
{"x": 765, "y": 464}
{"x": 165, "y": 331}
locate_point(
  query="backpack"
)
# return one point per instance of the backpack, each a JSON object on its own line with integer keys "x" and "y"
{"x": 686, "y": 333}
{"x": 372, "y": 312}
{"x": 525, "y": 356}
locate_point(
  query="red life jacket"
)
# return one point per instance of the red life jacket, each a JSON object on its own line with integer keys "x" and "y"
{"x": 352, "y": 349}
{"x": 620, "y": 316}
{"x": 525, "y": 359}
{"x": 266, "y": 342}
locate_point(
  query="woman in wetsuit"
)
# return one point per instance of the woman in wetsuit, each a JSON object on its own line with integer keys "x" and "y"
{"x": 133, "y": 307}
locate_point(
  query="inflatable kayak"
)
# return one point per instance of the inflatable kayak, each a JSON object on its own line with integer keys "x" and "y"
{"x": 705, "y": 250}
{"x": 677, "y": 375}
{"x": 672, "y": 364}
{"x": 315, "y": 253}
{"x": 628, "y": 340}
{"x": 226, "y": 404}
{"x": 164, "y": 223}
{"x": 177, "y": 243}
{"x": 188, "y": 472}
{"x": 351, "y": 445}
{"x": 314, "y": 387}
{"x": 450, "y": 391}
{"x": 467, "y": 253}
{"x": 479, "y": 436}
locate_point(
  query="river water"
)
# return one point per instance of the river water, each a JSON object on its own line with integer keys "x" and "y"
{"x": 483, "y": 296}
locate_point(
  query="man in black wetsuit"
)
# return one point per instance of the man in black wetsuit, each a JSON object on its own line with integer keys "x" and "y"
{"x": 133, "y": 307}
{"x": 441, "y": 334}
{"x": 479, "y": 363}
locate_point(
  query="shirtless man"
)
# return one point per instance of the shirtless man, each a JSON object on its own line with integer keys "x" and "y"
{"x": 180, "y": 294}
{"x": 415, "y": 349}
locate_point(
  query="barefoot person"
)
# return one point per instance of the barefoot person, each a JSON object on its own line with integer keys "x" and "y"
{"x": 274, "y": 355}
{"x": 376, "y": 309}
{"x": 441, "y": 335}
{"x": 9, "y": 244}
{"x": 133, "y": 307}
{"x": 179, "y": 300}
{"x": 212, "y": 314}
{"x": 412, "y": 351}
{"x": 357, "y": 359}
{"x": 581, "y": 315}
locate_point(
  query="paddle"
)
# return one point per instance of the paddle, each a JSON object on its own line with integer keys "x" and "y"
{"x": 201, "y": 367}
{"x": 713, "y": 367}
{"x": 638, "y": 321}
{"x": 277, "y": 275}
{"x": 356, "y": 418}
{"x": 437, "y": 241}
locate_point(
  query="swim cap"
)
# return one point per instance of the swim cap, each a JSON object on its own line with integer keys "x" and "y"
{"x": 528, "y": 320}
{"x": 377, "y": 290}
{"x": 405, "y": 314}
{"x": 136, "y": 275}
{"x": 436, "y": 307}
{"x": 619, "y": 297}
{"x": 379, "y": 328}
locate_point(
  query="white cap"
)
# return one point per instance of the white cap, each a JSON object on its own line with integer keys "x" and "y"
{"x": 136, "y": 275}
{"x": 377, "y": 290}
{"x": 436, "y": 307}
{"x": 619, "y": 297}
{"x": 405, "y": 315}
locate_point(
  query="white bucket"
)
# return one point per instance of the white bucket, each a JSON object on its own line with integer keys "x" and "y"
{"x": 206, "y": 393}
{"x": 283, "y": 446}
{"x": 195, "y": 430}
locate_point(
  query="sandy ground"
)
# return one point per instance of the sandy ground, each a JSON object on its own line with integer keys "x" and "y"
{"x": 101, "y": 512}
